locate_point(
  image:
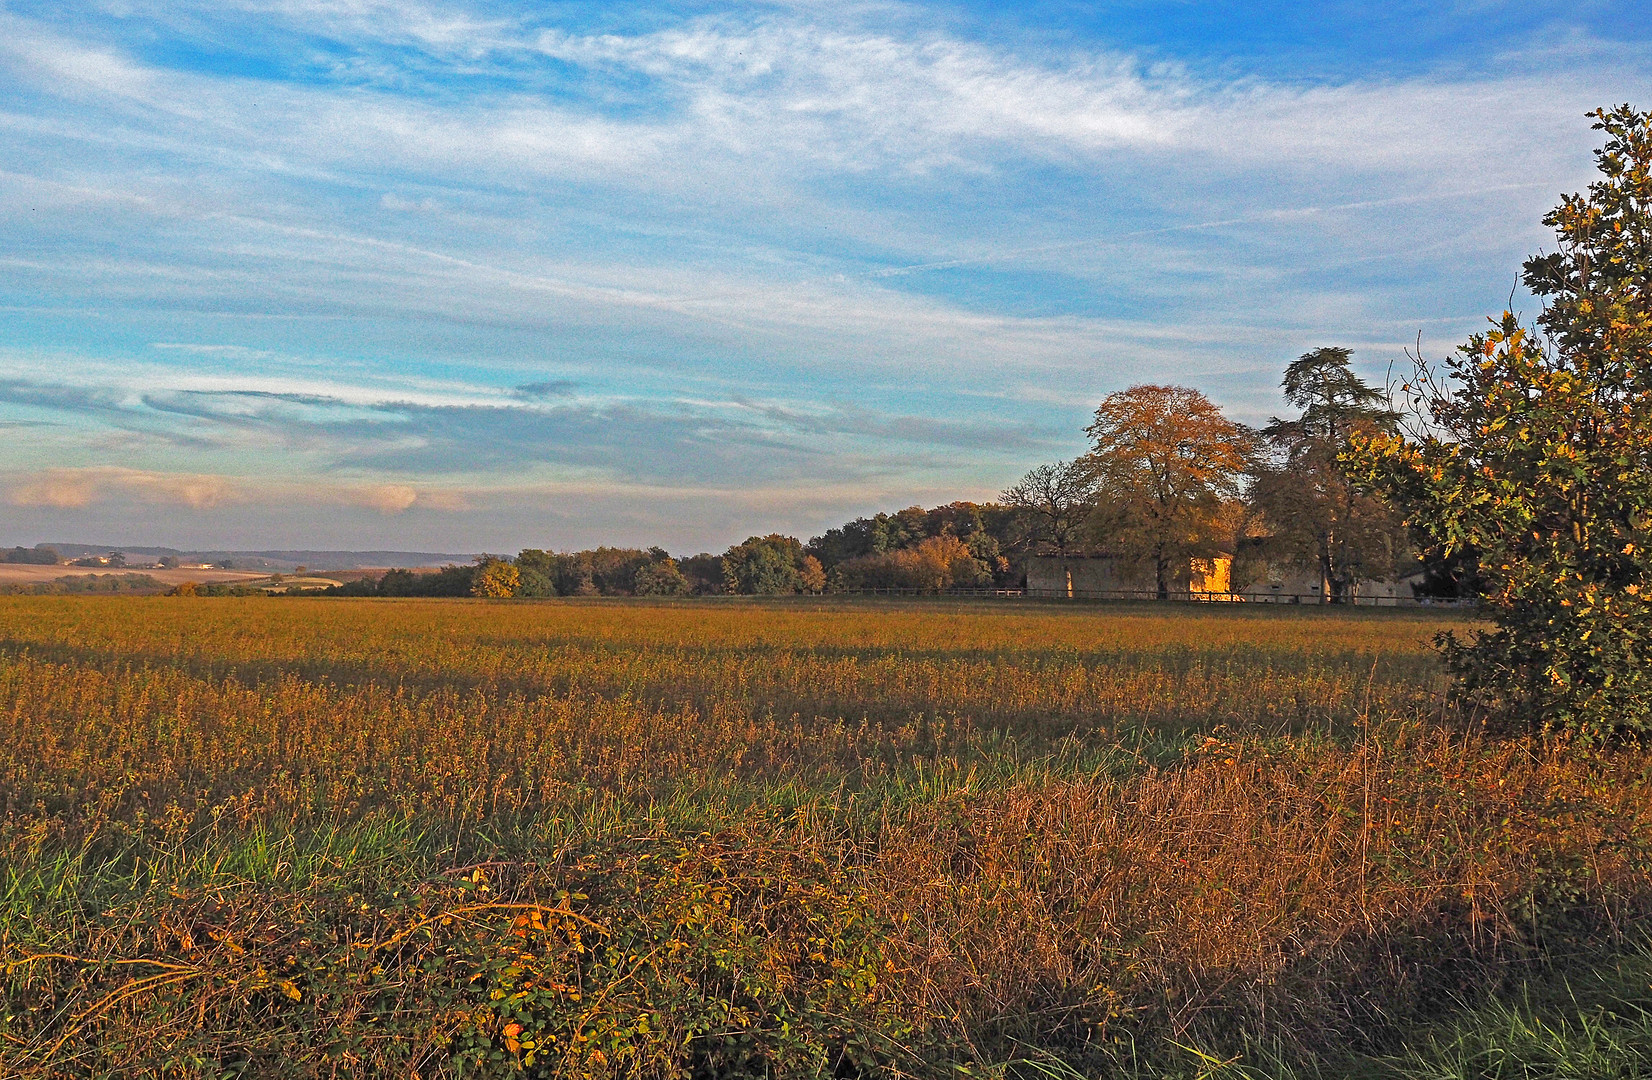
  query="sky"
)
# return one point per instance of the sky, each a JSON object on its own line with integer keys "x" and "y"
{"x": 474, "y": 276}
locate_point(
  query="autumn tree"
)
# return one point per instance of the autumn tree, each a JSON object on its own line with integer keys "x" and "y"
{"x": 935, "y": 564}
{"x": 1310, "y": 508}
{"x": 1533, "y": 448}
{"x": 1166, "y": 465}
{"x": 495, "y": 577}
{"x": 849, "y": 552}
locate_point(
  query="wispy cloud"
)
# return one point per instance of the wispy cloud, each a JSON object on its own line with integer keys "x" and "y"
{"x": 696, "y": 443}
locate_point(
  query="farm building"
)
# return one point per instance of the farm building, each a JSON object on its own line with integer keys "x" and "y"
{"x": 1298, "y": 585}
{"x": 1105, "y": 577}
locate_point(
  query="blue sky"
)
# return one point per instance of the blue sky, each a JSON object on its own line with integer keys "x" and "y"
{"x": 465, "y": 276}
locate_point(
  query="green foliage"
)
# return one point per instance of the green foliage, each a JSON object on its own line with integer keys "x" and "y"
{"x": 1536, "y": 454}
{"x": 536, "y": 573}
{"x": 661, "y": 578}
{"x": 765, "y": 566}
{"x": 875, "y": 535}
{"x": 1585, "y": 1016}
{"x": 933, "y": 565}
{"x": 603, "y": 571}
{"x": 703, "y": 572}
{"x": 862, "y": 553}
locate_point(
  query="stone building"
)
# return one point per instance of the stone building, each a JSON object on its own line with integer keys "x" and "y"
{"x": 1296, "y": 585}
{"x": 1107, "y": 577}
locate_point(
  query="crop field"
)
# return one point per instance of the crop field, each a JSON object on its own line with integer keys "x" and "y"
{"x": 331, "y": 837}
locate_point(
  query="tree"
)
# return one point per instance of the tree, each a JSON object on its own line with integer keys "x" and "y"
{"x": 660, "y": 578}
{"x": 494, "y": 577}
{"x": 871, "y": 536}
{"x": 1056, "y": 500}
{"x": 704, "y": 572}
{"x": 933, "y": 565}
{"x": 536, "y": 570}
{"x": 1311, "y": 510}
{"x": 811, "y": 576}
{"x": 1533, "y": 448}
{"x": 765, "y": 566}
{"x": 397, "y": 582}
{"x": 1167, "y": 465}
{"x": 39, "y": 556}
{"x": 979, "y": 527}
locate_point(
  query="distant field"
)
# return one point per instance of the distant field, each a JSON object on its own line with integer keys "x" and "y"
{"x": 273, "y": 837}
{"x": 24, "y": 574}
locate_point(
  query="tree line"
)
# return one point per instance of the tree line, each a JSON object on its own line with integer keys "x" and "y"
{"x": 960, "y": 545}
{"x": 1168, "y": 478}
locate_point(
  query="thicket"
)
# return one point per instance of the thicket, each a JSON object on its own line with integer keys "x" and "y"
{"x": 960, "y": 544}
{"x": 934, "y": 564}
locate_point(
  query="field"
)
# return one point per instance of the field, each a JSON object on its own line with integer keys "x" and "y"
{"x": 302, "y": 837}
{"x": 23, "y": 575}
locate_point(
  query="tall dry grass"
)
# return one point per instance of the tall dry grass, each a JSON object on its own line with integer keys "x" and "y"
{"x": 314, "y": 838}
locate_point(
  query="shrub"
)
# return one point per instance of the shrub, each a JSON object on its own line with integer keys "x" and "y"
{"x": 1536, "y": 454}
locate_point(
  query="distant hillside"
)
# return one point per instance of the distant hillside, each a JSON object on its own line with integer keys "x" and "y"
{"x": 273, "y": 560}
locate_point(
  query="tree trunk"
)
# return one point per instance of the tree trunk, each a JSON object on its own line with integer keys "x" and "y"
{"x": 1327, "y": 579}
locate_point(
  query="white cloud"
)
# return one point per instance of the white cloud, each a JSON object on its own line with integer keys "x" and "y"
{"x": 81, "y": 487}
{"x": 86, "y": 487}
{"x": 385, "y": 498}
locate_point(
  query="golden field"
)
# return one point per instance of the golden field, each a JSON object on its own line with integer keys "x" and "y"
{"x": 272, "y": 836}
